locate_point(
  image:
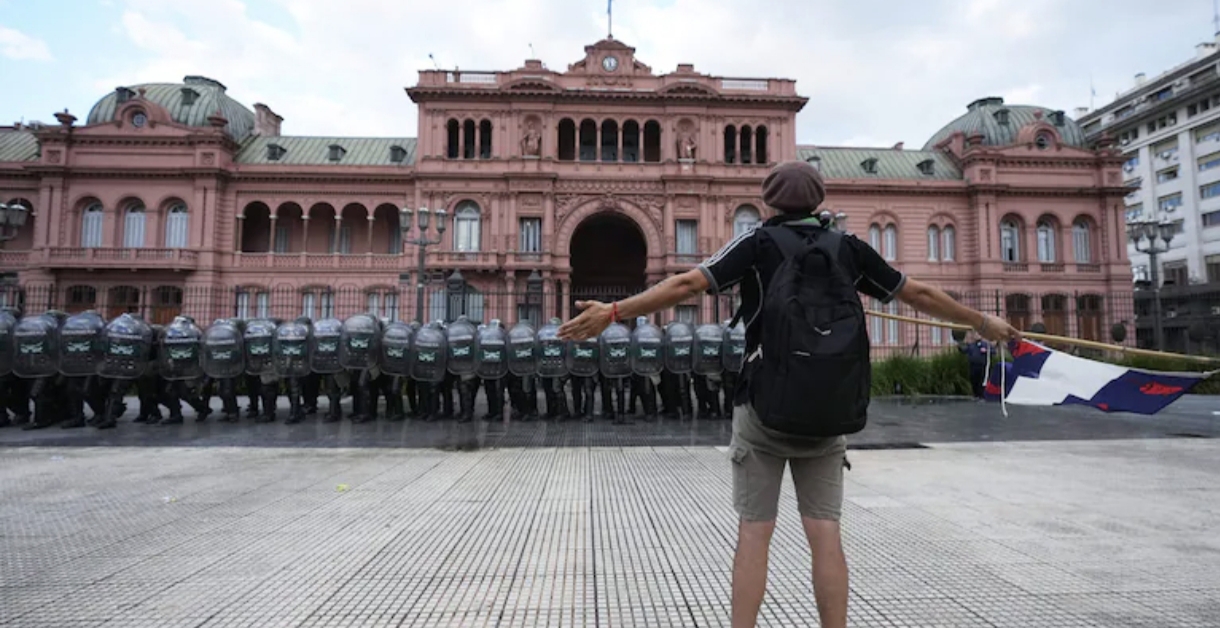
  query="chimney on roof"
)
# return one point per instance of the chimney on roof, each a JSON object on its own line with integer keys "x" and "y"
{"x": 1205, "y": 49}
{"x": 1082, "y": 112}
{"x": 1140, "y": 79}
{"x": 898, "y": 146}
{"x": 266, "y": 122}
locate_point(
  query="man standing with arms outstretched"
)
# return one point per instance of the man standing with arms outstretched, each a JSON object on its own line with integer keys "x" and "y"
{"x": 759, "y": 450}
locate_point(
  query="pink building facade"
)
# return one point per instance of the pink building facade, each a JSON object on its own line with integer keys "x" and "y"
{"x": 591, "y": 181}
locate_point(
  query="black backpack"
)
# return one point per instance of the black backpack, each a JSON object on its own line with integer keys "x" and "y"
{"x": 811, "y": 375}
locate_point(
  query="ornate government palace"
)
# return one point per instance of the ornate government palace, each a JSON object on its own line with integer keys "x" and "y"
{"x": 597, "y": 179}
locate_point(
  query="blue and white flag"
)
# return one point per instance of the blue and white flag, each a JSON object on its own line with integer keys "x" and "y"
{"x": 1040, "y": 376}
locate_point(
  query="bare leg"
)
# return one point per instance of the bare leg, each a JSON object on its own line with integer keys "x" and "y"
{"x": 750, "y": 570}
{"x": 829, "y": 571}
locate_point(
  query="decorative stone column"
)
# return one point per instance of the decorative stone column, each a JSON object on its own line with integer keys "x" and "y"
{"x": 510, "y": 299}
{"x": 271, "y": 235}
{"x": 304, "y": 234}
{"x": 241, "y": 228}
{"x": 368, "y": 242}
{"x": 336, "y": 245}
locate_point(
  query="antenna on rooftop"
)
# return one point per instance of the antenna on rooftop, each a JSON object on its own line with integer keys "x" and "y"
{"x": 609, "y": 19}
{"x": 1216, "y": 16}
{"x": 438, "y": 66}
{"x": 533, "y": 55}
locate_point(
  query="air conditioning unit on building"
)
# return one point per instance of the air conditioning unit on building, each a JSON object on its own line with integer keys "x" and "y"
{"x": 1128, "y": 168}
{"x": 1124, "y": 141}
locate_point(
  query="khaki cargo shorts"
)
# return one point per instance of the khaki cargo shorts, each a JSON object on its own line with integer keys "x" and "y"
{"x": 759, "y": 455}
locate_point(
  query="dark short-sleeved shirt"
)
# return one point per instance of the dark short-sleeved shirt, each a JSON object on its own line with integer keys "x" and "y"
{"x": 751, "y": 261}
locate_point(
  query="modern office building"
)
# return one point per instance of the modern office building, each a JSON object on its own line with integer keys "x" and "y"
{"x": 1168, "y": 128}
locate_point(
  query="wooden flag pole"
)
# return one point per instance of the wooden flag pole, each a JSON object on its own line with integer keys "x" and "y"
{"x": 1091, "y": 344}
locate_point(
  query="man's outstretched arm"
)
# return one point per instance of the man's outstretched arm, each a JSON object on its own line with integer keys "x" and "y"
{"x": 595, "y": 316}
{"x": 935, "y": 302}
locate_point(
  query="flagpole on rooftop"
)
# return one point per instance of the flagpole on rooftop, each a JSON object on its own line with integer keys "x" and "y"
{"x": 1090, "y": 344}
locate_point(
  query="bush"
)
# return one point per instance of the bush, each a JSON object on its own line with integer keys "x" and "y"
{"x": 948, "y": 373}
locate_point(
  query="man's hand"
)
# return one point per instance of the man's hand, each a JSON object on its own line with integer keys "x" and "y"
{"x": 996, "y": 329}
{"x": 593, "y": 319}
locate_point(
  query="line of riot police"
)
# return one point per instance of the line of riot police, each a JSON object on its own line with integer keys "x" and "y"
{"x": 60, "y": 363}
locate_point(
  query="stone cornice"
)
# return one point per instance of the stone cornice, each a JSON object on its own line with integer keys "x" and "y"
{"x": 427, "y": 94}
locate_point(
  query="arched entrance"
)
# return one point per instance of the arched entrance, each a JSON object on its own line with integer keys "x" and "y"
{"x": 609, "y": 257}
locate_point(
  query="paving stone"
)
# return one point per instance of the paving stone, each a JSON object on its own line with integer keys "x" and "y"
{"x": 1055, "y": 534}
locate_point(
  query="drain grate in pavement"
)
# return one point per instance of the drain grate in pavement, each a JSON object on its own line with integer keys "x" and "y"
{"x": 886, "y": 446}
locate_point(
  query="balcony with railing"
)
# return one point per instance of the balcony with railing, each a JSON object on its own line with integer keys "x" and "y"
{"x": 13, "y": 260}
{"x": 115, "y": 257}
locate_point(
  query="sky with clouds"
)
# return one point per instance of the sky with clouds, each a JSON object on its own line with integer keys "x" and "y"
{"x": 876, "y": 71}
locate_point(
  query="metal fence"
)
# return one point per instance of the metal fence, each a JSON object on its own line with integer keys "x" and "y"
{"x": 1090, "y": 316}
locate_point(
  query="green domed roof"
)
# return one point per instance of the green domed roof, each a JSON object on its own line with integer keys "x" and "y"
{"x": 189, "y": 102}
{"x": 1000, "y": 123}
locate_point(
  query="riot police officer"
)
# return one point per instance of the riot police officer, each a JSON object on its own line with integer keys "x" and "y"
{"x": 553, "y": 370}
{"x": 647, "y": 364}
{"x": 462, "y": 365}
{"x": 615, "y": 367}
{"x": 428, "y": 367}
{"x": 491, "y": 348}
{"x": 223, "y": 362}
{"x": 523, "y": 372}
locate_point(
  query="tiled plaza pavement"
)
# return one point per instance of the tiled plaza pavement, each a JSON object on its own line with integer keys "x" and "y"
{"x": 1059, "y": 534}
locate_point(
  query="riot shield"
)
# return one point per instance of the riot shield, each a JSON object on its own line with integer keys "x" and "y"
{"x": 461, "y": 337}
{"x": 491, "y": 347}
{"x": 37, "y": 349}
{"x": 429, "y": 354}
{"x": 615, "y": 351}
{"x": 647, "y": 343}
{"x": 583, "y": 360}
{"x": 522, "y": 350}
{"x": 258, "y": 339}
{"x": 709, "y": 342}
{"x": 396, "y": 349}
{"x": 7, "y": 323}
{"x": 291, "y": 349}
{"x": 552, "y": 352}
{"x": 734, "y": 352}
{"x": 80, "y": 344}
{"x": 179, "y": 356}
{"x": 127, "y": 348}
{"x": 223, "y": 350}
{"x": 324, "y": 356}
{"x": 360, "y": 346}
{"x": 679, "y": 347}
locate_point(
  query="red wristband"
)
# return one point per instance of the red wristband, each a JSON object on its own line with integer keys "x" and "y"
{"x": 614, "y": 312}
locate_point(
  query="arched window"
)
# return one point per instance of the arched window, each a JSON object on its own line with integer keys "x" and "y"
{"x": 567, "y": 140}
{"x": 446, "y": 306}
{"x": 631, "y": 141}
{"x": 609, "y": 148}
{"x": 1010, "y": 241}
{"x": 730, "y": 144}
{"x": 747, "y": 150}
{"x": 874, "y": 237}
{"x": 652, "y": 141}
{"x": 485, "y": 139}
{"x": 468, "y": 130}
{"x": 890, "y": 243}
{"x": 1082, "y": 241}
{"x": 133, "y": 227}
{"x": 948, "y": 249}
{"x": 588, "y": 140}
{"x": 91, "y": 226}
{"x": 1046, "y": 242}
{"x": 177, "y": 226}
{"x": 454, "y": 145}
{"x": 760, "y": 143}
{"x": 745, "y": 220}
{"x": 933, "y": 244}
{"x": 466, "y": 227}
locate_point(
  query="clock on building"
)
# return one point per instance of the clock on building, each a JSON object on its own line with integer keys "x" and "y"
{"x": 610, "y": 63}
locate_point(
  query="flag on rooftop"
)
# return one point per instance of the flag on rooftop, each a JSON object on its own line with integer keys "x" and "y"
{"x": 1041, "y": 376}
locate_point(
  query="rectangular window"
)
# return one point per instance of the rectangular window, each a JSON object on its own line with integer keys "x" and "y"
{"x": 374, "y": 303}
{"x": 263, "y": 304}
{"x": 531, "y": 235}
{"x": 1212, "y": 262}
{"x": 1135, "y": 212}
{"x": 176, "y": 230}
{"x": 1169, "y": 203}
{"x": 1207, "y": 162}
{"x": 328, "y": 305}
{"x": 281, "y": 238}
{"x": 1211, "y": 219}
{"x": 1165, "y": 149}
{"x": 688, "y": 237}
{"x": 937, "y": 336}
{"x": 1167, "y": 175}
{"x": 1177, "y": 227}
{"x": 891, "y": 325}
{"x": 687, "y": 313}
{"x": 1211, "y": 190}
{"x": 91, "y": 230}
{"x": 1175, "y": 274}
{"x": 949, "y": 250}
{"x": 243, "y": 305}
{"x": 309, "y": 305}
{"x": 1131, "y": 163}
{"x": 390, "y": 306}
{"x": 133, "y": 229}
{"x": 1208, "y": 133}
{"x": 395, "y": 246}
{"x": 876, "y": 324}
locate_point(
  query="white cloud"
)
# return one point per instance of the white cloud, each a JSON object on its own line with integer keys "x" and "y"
{"x": 21, "y": 47}
{"x": 339, "y": 68}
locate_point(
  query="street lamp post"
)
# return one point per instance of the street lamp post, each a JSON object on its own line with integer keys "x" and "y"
{"x": 12, "y": 219}
{"x": 1152, "y": 238}
{"x": 423, "y": 219}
